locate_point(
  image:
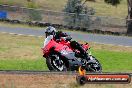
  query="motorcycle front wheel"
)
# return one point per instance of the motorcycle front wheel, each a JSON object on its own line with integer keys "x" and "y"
{"x": 55, "y": 63}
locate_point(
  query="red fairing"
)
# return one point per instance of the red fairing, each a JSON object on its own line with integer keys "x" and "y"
{"x": 48, "y": 46}
{"x": 86, "y": 46}
{"x": 62, "y": 45}
{"x": 58, "y": 47}
{"x": 67, "y": 43}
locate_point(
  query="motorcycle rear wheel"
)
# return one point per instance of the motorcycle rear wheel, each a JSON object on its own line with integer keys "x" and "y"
{"x": 94, "y": 66}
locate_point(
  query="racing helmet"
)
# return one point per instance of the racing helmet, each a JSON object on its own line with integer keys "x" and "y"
{"x": 50, "y": 31}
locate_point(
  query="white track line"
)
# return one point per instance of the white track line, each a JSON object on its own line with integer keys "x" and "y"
{"x": 31, "y": 35}
{"x": 12, "y": 33}
{"x": 20, "y": 34}
{"x": 40, "y": 36}
{"x": 4, "y": 32}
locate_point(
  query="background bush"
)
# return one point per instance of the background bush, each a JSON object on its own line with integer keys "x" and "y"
{"x": 77, "y": 14}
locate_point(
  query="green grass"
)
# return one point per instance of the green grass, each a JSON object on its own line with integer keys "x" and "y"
{"x": 16, "y": 64}
{"x": 24, "y": 53}
{"x": 101, "y": 8}
{"x": 21, "y": 53}
{"x": 114, "y": 61}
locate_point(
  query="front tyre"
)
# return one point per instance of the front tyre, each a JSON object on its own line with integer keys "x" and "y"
{"x": 54, "y": 63}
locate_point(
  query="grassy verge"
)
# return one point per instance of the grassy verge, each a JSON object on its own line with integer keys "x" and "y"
{"x": 16, "y": 64}
{"x": 100, "y": 7}
{"x": 21, "y": 53}
{"x": 6, "y": 24}
{"x": 114, "y": 61}
{"x": 24, "y": 53}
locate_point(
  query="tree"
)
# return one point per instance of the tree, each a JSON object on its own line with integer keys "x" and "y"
{"x": 34, "y": 15}
{"x": 74, "y": 9}
{"x": 112, "y": 2}
{"x": 129, "y": 17}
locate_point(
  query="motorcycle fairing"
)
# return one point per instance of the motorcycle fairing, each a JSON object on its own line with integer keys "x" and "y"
{"x": 47, "y": 40}
{"x": 73, "y": 62}
{"x": 50, "y": 43}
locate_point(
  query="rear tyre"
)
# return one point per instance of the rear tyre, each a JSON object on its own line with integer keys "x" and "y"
{"x": 94, "y": 65}
{"x": 54, "y": 63}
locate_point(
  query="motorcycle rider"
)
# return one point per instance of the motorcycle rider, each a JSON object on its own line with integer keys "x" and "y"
{"x": 51, "y": 33}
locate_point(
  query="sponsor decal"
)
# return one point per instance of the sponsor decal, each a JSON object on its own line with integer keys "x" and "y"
{"x": 102, "y": 78}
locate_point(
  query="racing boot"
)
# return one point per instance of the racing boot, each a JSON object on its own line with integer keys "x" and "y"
{"x": 78, "y": 46}
{"x": 83, "y": 53}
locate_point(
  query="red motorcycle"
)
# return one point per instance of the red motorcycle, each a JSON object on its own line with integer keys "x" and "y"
{"x": 61, "y": 57}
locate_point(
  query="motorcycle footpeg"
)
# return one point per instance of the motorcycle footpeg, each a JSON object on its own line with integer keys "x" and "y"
{"x": 84, "y": 63}
{"x": 88, "y": 58}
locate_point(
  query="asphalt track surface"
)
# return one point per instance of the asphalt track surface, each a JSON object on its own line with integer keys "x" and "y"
{"x": 98, "y": 38}
{"x": 51, "y": 72}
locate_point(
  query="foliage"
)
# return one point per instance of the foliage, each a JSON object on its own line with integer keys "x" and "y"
{"x": 74, "y": 6}
{"x": 34, "y": 15}
{"x": 32, "y": 5}
{"x": 113, "y": 2}
{"x": 74, "y": 9}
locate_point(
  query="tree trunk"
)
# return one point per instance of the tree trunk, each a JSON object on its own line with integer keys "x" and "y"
{"x": 129, "y": 18}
